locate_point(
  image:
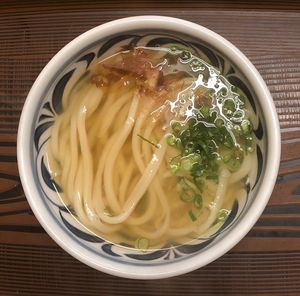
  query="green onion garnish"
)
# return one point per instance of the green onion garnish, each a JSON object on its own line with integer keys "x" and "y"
{"x": 148, "y": 141}
{"x": 222, "y": 216}
{"x": 198, "y": 201}
{"x": 171, "y": 140}
{"x": 185, "y": 55}
{"x": 187, "y": 195}
{"x": 219, "y": 133}
{"x": 192, "y": 216}
{"x": 204, "y": 111}
{"x": 141, "y": 244}
{"x": 246, "y": 127}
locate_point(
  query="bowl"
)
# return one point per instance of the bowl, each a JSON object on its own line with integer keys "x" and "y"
{"x": 44, "y": 101}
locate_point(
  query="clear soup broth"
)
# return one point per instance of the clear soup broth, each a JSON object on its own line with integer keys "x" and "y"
{"x": 152, "y": 148}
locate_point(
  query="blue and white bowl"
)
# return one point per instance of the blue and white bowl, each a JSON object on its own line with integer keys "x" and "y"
{"x": 44, "y": 102}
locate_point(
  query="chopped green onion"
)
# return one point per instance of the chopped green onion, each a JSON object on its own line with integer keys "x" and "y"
{"x": 241, "y": 100}
{"x": 199, "y": 182}
{"x": 185, "y": 55}
{"x": 204, "y": 111}
{"x": 196, "y": 65}
{"x": 187, "y": 195}
{"x": 171, "y": 140}
{"x": 197, "y": 170}
{"x": 198, "y": 201}
{"x": 176, "y": 127}
{"x": 213, "y": 116}
{"x": 227, "y": 157}
{"x": 233, "y": 164}
{"x": 219, "y": 133}
{"x": 189, "y": 192}
{"x": 186, "y": 164}
{"x": 175, "y": 164}
{"x": 186, "y": 190}
{"x": 213, "y": 177}
{"x": 174, "y": 168}
{"x": 203, "y": 146}
{"x": 229, "y": 105}
{"x": 141, "y": 244}
{"x": 237, "y": 129}
{"x": 148, "y": 141}
{"x": 249, "y": 141}
{"x": 192, "y": 216}
{"x": 196, "y": 62}
{"x": 238, "y": 116}
{"x": 246, "y": 127}
{"x": 223, "y": 215}
{"x": 228, "y": 141}
{"x": 219, "y": 122}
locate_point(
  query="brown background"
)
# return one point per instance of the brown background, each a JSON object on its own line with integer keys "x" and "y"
{"x": 265, "y": 262}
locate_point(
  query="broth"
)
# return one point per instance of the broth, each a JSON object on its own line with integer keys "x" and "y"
{"x": 152, "y": 148}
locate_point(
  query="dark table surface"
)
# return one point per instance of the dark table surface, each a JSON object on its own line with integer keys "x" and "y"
{"x": 265, "y": 262}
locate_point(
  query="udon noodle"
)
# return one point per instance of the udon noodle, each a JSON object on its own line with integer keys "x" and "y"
{"x": 152, "y": 148}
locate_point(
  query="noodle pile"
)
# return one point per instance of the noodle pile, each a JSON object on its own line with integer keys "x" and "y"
{"x": 108, "y": 152}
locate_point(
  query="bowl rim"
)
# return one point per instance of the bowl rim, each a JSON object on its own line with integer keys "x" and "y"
{"x": 24, "y": 142}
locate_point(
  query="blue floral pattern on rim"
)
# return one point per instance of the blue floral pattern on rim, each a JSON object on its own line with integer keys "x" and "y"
{"x": 52, "y": 106}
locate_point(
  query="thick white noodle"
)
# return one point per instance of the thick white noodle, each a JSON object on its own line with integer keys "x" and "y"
{"x": 140, "y": 188}
{"x": 218, "y": 201}
{"x": 112, "y": 156}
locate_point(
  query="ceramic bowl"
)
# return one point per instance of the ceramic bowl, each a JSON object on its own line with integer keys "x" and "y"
{"x": 44, "y": 103}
